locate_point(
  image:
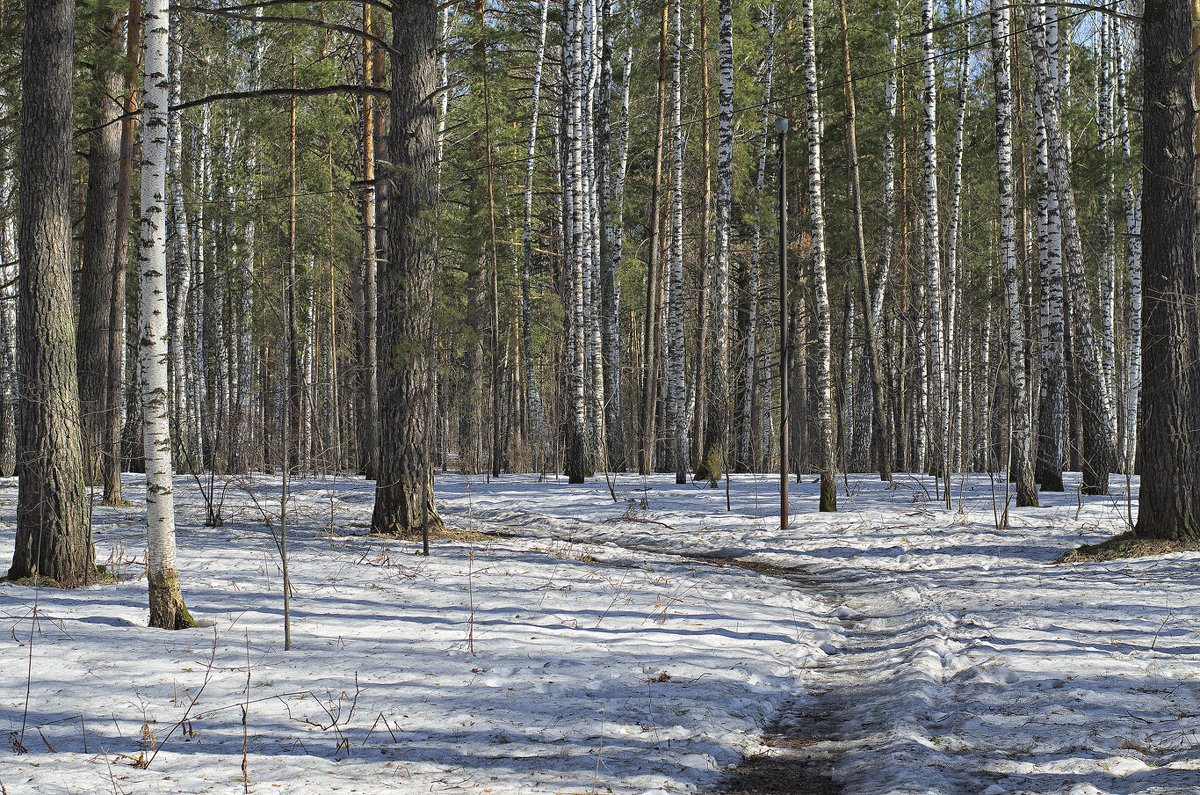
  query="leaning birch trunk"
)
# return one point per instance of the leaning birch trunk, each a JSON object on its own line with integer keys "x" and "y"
{"x": 167, "y": 610}
{"x": 1099, "y": 454}
{"x": 533, "y": 395}
{"x": 675, "y": 398}
{"x": 820, "y": 281}
{"x": 939, "y": 457}
{"x": 716, "y": 427}
{"x": 1020, "y": 454}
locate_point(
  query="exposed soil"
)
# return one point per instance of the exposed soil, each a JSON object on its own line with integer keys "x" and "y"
{"x": 1126, "y": 545}
{"x": 793, "y": 767}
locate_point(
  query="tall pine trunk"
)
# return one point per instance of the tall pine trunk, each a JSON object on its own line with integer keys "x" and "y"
{"x": 404, "y": 489}
{"x": 54, "y": 535}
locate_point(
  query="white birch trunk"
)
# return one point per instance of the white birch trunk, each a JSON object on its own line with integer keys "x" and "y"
{"x": 1020, "y": 456}
{"x": 816, "y": 202}
{"x": 674, "y": 398}
{"x": 1052, "y": 386}
{"x": 166, "y": 600}
{"x": 1133, "y": 228}
{"x": 1099, "y": 455}
{"x": 932, "y": 247}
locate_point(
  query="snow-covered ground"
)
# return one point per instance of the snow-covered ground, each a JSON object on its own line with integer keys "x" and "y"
{"x": 589, "y": 650}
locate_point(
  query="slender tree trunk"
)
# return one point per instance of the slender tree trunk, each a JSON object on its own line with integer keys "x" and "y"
{"x": 1052, "y": 387}
{"x": 167, "y": 610}
{"x": 870, "y": 329}
{"x": 716, "y": 426}
{"x": 1099, "y": 454}
{"x": 932, "y": 249}
{"x": 114, "y": 399}
{"x": 700, "y": 378}
{"x": 820, "y": 280}
{"x": 650, "y": 343}
{"x": 368, "y": 420}
{"x": 98, "y": 252}
{"x": 54, "y": 537}
{"x": 1021, "y": 458}
{"x": 674, "y": 394}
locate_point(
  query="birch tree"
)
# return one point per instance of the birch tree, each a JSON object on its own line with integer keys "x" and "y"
{"x": 167, "y": 610}
{"x": 675, "y": 397}
{"x": 716, "y": 427}
{"x": 1099, "y": 454}
{"x": 1020, "y": 456}
{"x": 816, "y": 210}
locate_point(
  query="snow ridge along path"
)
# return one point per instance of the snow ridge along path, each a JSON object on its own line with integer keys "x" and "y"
{"x": 586, "y": 651}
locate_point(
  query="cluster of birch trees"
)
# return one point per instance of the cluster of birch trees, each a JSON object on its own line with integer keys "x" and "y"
{"x": 524, "y": 235}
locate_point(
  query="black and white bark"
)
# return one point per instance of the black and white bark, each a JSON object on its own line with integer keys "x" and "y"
{"x": 816, "y": 211}
{"x": 1099, "y": 454}
{"x": 1021, "y": 454}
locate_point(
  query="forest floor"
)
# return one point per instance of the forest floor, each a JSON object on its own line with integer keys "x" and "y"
{"x": 572, "y": 643}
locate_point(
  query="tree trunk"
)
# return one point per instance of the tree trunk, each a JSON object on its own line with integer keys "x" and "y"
{"x": 650, "y": 343}
{"x": 1099, "y": 455}
{"x": 404, "y": 489}
{"x": 167, "y": 610}
{"x": 1020, "y": 456}
{"x": 98, "y": 251}
{"x": 674, "y": 393}
{"x": 870, "y": 327}
{"x": 54, "y": 537}
{"x": 1169, "y": 503}
{"x": 820, "y": 280}
{"x": 1052, "y": 389}
{"x": 716, "y": 426}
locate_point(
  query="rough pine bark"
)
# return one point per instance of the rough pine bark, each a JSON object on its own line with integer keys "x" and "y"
{"x": 1169, "y": 502}
{"x": 54, "y": 535}
{"x": 404, "y": 488}
{"x": 98, "y": 250}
